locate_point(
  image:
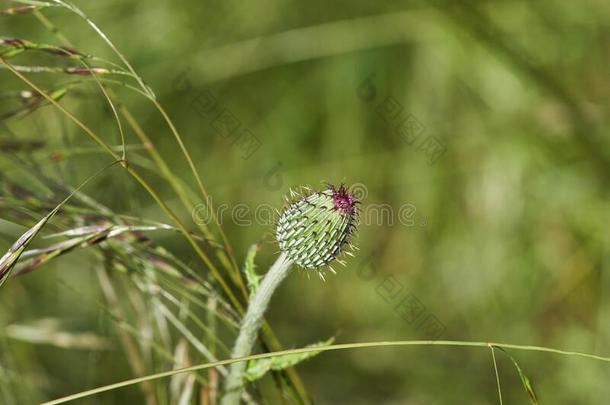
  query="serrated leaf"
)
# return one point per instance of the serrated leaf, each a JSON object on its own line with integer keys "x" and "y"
{"x": 252, "y": 278}
{"x": 527, "y": 385}
{"x": 259, "y": 367}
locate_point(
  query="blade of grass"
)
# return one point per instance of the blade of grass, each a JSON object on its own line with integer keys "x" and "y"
{"x": 131, "y": 348}
{"x": 527, "y": 385}
{"x": 235, "y": 274}
{"x": 345, "y": 346}
{"x": 112, "y": 106}
{"x": 101, "y": 34}
{"x": 140, "y": 180}
{"x": 35, "y": 3}
{"x": 493, "y": 357}
{"x": 20, "y": 10}
{"x": 8, "y": 261}
{"x": 270, "y": 340}
{"x": 122, "y": 324}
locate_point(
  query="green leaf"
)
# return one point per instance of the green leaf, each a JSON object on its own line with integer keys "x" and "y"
{"x": 527, "y": 385}
{"x": 252, "y": 278}
{"x": 58, "y": 94}
{"x": 259, "y": 367}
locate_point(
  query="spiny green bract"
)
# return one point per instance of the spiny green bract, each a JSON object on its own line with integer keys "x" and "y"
{"x": 313, "y": 229}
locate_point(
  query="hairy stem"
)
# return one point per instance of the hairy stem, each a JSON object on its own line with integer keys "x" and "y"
{"x": 250, "y": 326}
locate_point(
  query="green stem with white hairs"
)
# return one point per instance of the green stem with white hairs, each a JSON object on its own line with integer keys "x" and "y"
{"x": 250, "y": 326}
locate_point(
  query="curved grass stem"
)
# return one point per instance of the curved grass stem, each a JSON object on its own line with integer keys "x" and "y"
{"x": 345, "y": 346}
{"x": 147, "y": 92}
{"x": 270, "y": 341}
{"x": 166, "y": 209}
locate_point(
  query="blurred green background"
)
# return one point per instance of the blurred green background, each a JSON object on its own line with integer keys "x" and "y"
{"x": 504, "y": 237}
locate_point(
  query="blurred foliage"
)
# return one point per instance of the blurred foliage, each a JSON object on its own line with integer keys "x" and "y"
{"x": 505, "y": 236}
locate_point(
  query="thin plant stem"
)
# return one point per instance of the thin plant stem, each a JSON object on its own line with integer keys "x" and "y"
{"x": 129, "y": 343}
{"x": 493, "y": 357}
{"x": 273, "y": 343}
{"x": 139, "y": 179}
{"x": 251, "y": 325}
{"x": 236, "y": 273}
{"x": 147, "y": 92}
{"x": 297, "y": 384}
{"x": 345, "y": 346}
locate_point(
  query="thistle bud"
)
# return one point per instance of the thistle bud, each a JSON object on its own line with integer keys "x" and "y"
{"x": 314, "y": 228}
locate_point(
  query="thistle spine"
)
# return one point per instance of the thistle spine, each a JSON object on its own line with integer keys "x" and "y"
{"x": 311, "y": 232}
